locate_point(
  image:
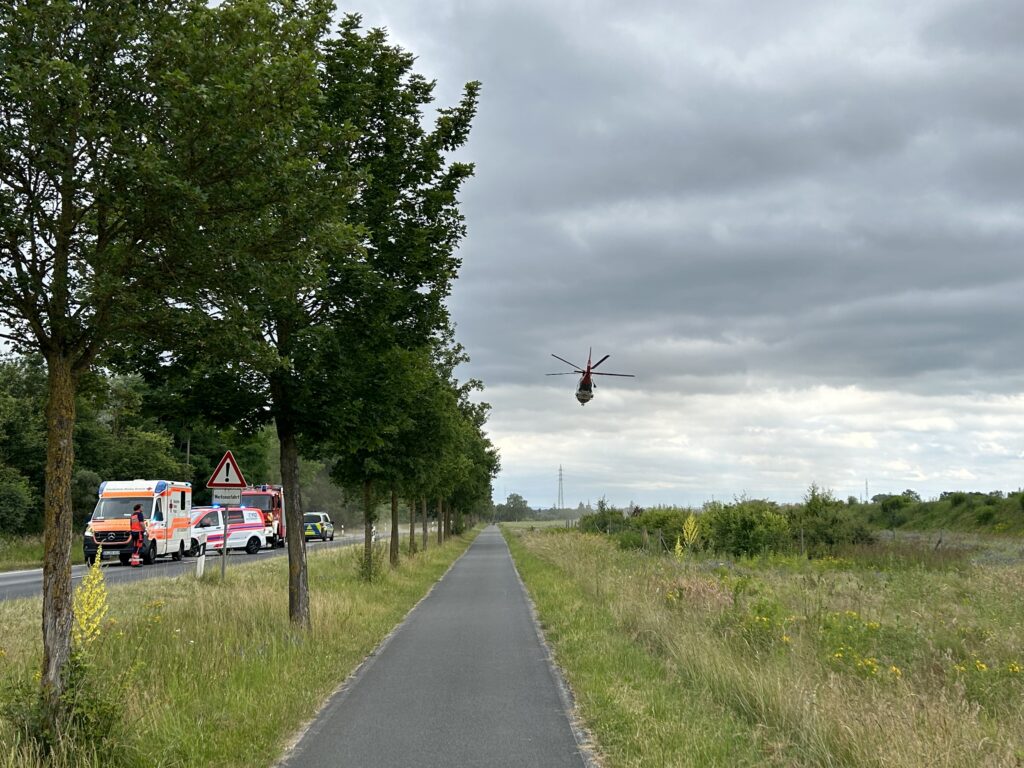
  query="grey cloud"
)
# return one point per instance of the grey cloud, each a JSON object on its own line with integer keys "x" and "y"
{"x": 728, "y": 197}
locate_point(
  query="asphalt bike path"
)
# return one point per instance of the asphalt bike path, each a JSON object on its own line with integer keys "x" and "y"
{"x": 16, "y": 584}
{"x": 464, "y": 681}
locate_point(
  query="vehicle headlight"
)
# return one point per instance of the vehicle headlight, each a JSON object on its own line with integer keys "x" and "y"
{"x": 88, "y": 531}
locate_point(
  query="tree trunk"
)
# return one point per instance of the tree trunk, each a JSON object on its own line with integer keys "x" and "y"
{"x": 423, "y": 511}
{"x": 60, "y": 459}
{"x": 369, "y": 518}
{"x": 440, "y": 523}
{"x": 298, "y": 579}
{"x": 447, "y": 521}
{"x": 412, "y": 526}
{"x": 394, "y": 527}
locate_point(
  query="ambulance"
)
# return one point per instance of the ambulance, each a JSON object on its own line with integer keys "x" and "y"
{"x": 167, "y": 507}
{"x": 246, "y": 528}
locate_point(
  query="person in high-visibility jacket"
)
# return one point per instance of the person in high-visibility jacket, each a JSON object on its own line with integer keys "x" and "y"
{"x": 138, "y": 528}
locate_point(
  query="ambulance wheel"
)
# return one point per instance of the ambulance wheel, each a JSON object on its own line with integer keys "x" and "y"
{"x": 180, "y": 553}
{"x": 125, "y": 557}
{"x": 281, "y": 542}
{"x": 252, "y": 546}
{"x": 193, "y": 549}
{"x": 149, "y": 554}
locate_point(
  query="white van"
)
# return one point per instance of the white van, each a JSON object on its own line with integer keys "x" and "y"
{"x": 246, "y": 528}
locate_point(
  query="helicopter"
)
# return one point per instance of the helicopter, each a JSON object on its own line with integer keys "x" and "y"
{"x": 585, "y": 389}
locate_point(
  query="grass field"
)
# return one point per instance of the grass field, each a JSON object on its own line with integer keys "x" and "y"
{"x": 216, "y": 674}
{"x": 893, "y": 655}
{"x": 23, "y": 552}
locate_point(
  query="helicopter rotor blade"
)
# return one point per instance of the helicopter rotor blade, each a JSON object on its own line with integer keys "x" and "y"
{"x": 564, "y": 373}
{"x": 599, "y": 362}
{"x": 623, "y": 375}
{"x": 564, "y": 360}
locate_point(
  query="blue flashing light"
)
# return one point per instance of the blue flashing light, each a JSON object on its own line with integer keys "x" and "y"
{"x": 215, "y": 506}
{"x": 161, "y": 486}
{"x": 102, "y": 486}
{"x": 263, "y": 487}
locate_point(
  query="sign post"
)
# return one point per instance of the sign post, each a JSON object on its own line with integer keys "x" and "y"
{"x": 226, "y": 483}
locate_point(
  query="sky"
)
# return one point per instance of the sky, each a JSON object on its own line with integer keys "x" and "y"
{"x": 800, "y": 225}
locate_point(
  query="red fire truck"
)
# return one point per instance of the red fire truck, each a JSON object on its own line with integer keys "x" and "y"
{"x": 269, "y": 499}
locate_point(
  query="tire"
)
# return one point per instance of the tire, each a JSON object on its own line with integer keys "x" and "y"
{"x": 323, "y": 537}
{"x": 332, "y": 537}
{"x": 125, "y": 558}
{"x": 149, "y": 554}
{"x": 180, "y": 553}
{"x": 90, "y": 559}
{"x": 252, "y": 546}
{"x": 193, "y": 548}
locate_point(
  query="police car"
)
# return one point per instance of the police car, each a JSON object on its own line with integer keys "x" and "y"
{"x": 318, "y": 525}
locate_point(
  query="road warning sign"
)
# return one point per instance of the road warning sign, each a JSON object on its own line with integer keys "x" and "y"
{"x": 227, "y": 474}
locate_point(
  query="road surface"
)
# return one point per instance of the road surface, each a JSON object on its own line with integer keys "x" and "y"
{"x": 15, "y": 584}
{"x": 464, "y": 681}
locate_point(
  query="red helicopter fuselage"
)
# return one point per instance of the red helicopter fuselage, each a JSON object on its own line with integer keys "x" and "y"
{"x": 585, "y": 387}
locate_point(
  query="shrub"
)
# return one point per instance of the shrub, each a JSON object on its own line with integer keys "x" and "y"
{"x": 746, "y": 527}
{"x": 822, "y": 523}
{"x": 609, "y": 520}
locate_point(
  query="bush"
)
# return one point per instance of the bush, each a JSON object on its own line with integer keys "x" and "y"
{"x": 609, "y": 520}
{"x": 822, "y": 523}
{"x": 18, "y": 502}
{"x": 746, "y": 527}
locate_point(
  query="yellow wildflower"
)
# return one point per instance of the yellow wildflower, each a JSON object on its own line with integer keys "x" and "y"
{"x": 895, "y": 671}
{"x": 980, "y": 665}
{"x": 959, "y": 668}
{"x": 785, "y": 639}
{"x": 1013, "y": 667}
{"x": 89, "y": 607}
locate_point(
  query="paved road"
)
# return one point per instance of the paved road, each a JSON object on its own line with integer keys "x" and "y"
{"x": 465, "y": 681}
{"x": 14, "y": 584}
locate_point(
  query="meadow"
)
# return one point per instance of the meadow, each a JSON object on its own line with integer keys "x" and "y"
{"x": 887, "y": 654}
{"x": 200, "y": 672}
{"x": 25, "y": 552}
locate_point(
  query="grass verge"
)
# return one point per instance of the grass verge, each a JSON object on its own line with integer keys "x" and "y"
{"x": 216, "y": 674}
{"x": 25, "y": 552}
{"x": 783, "y": 661}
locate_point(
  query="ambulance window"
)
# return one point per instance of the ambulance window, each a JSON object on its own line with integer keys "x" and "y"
{"x": 209, "y": 520}
{"x": 235, "y": 516}
{"x": 158, "y": 512}
{"x": 183, "y": 506}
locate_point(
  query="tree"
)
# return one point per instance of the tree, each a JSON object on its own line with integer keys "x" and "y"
{"x": 110, "y": 199}
{"x": 406, "y": 207}
{"x": 76, "y": 226}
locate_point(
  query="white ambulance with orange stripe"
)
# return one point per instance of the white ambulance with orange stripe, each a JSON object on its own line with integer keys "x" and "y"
{"x": 167, "y": 507}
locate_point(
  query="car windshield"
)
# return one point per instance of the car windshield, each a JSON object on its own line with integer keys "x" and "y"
{"x": 311, "y": 518}
{"x": 121, "y": 509}
{"x": 261, "y": 501}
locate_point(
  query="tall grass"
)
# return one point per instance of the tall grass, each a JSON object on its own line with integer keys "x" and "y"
{"x": 891, "y": 661}
{"x": 217, "y": 675}
{"x": 23, "y": 552}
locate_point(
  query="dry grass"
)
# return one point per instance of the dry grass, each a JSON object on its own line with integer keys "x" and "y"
{"x": 924, "y": 677}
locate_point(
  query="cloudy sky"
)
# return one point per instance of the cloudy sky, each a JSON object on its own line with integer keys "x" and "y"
{"x": 799, "y": 224}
